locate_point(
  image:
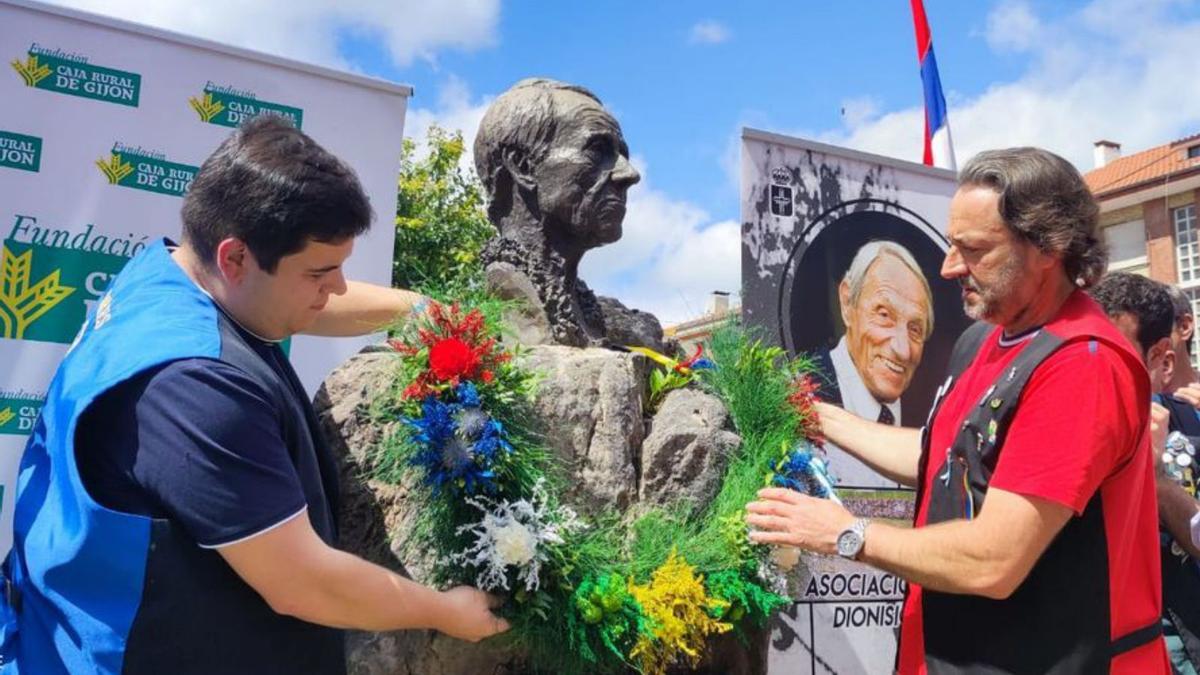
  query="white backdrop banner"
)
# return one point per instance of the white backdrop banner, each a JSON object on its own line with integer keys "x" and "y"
{"x": 102, "y": 128}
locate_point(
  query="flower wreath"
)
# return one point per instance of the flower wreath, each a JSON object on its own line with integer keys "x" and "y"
{"x": 603, "y": 594}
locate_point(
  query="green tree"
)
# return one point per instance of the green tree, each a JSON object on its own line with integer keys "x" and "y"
{"x": 441, "y": 224}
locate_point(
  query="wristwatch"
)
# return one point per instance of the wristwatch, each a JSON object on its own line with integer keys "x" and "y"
{"x": 850, "y": 541}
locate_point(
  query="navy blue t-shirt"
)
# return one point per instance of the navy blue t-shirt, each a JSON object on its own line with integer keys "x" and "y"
{"x": 195, "y": 441}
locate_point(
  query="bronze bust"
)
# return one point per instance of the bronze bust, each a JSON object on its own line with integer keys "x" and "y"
{"x": 556, "y": 171}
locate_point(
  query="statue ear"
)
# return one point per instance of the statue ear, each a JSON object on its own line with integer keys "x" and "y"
{"x": 514, "y": 183}
{"x": 520, "y": 169}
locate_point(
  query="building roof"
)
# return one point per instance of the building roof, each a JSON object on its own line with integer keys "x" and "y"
{"x": 1147, "y": 166}
{"x": 703, "y": 322}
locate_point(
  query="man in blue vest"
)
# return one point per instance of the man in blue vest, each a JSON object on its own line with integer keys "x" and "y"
{"x": 1034, "y": 548}
{"x": 175, "y": 507}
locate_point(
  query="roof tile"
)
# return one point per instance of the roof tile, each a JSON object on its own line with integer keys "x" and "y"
{"x": 1142, "y": 167}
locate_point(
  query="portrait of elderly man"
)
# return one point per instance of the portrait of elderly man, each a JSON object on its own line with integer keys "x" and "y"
{"x": 887, "y": 308}
{"x": 886, "y": 305}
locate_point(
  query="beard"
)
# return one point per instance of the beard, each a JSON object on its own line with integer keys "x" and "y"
{"x": 986, "y": 306}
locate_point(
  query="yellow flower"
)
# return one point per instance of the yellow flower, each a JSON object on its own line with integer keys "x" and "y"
{"x": 678, "y": 612}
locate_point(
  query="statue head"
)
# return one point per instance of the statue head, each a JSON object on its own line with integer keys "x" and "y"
{"x": 555, "y": 167}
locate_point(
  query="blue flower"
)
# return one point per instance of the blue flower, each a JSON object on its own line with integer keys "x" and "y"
{"x": 459, "y": 443}
{"x": 493, "y": 441}
{"x": 472, "y": 422}
{"x": 436, "y": 423}
{"x": 797, "y": 472}
{"x": 467, "y": 395}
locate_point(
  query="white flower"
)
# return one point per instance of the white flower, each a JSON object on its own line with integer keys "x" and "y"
{"x": 773, "y": 579}
{"x": 515, "y": 544}
{"x": 514, "y": 534}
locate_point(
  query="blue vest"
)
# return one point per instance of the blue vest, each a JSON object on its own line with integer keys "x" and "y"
{"x": 92, "y": 590}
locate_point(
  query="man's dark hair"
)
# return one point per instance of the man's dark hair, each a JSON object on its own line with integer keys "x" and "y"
{"x": 1145, "y": 299}
{"x": 1044, "y": 200}
{"x": 1183, "y": 308}
{"x": 274, "y": 188}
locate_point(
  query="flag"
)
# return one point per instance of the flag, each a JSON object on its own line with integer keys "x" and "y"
{"x": 939, "y": 150}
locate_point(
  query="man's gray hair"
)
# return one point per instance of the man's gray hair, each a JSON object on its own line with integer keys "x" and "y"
{"x": 872, "y": 251}
{"x": 1045, "y": 201}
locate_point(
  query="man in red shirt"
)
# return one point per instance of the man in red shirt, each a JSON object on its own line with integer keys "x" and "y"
{"x": 1035, "y": 545}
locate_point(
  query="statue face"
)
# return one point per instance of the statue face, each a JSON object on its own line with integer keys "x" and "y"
{"x": 583, "y": 180}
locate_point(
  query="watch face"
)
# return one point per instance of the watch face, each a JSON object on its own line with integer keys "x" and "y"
{"x": 848, "y": 543}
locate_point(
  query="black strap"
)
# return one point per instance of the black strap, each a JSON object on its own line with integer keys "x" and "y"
{"x": 967, "y": 346}
{"x": 1130, "y": 641}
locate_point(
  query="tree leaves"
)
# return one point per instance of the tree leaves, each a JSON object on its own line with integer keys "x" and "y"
{"x": 440, "y": 223}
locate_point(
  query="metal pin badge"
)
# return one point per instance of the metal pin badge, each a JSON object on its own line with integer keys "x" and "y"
{"x": 995, "y": 403}
{"x": 945, "y": 477}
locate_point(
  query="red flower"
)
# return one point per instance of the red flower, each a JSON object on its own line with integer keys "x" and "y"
{"x": 405, "y": 349}
{"x": 452, "y": 359}
{"x": 457, "y": 346}
{"x": 803, "y": 398}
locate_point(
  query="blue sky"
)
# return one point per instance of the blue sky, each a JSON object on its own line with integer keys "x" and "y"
{"x": 780, "y": 65}
{"x": 683, "y": 78}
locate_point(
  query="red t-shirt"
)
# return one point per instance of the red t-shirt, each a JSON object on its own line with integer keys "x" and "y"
{"x": 1081, "y": 419}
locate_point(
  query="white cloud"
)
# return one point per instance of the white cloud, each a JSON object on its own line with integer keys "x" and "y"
{"x": 308, "y": 30}
{"x": 456, "y": 110}
{"x": 1013, "y": 26}
{"x": 708, "y": 32}
{"x": 857, "y": 110}
{"x": 670, "y": 257}
{"x": 1116, "y": 69}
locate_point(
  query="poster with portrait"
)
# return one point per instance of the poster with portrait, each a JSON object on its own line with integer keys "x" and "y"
{"x": 841, "y": 259}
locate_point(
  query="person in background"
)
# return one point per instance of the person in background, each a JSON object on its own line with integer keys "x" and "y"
{"x": 1185, "y": 382}
{"x": 1142, "y": 309}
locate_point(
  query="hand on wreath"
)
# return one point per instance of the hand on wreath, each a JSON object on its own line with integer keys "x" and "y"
{"x": 782, "y": 516}
{"x": 468, "y": 615}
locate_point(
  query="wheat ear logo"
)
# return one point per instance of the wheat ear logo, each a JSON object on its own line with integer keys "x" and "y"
{"x": 115, "y": 169}
{"x": 6, "y": 416}
{"x": 31, "y": 71}
{"x": 21, "y": 303}
{"x": 206, "y": 107}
